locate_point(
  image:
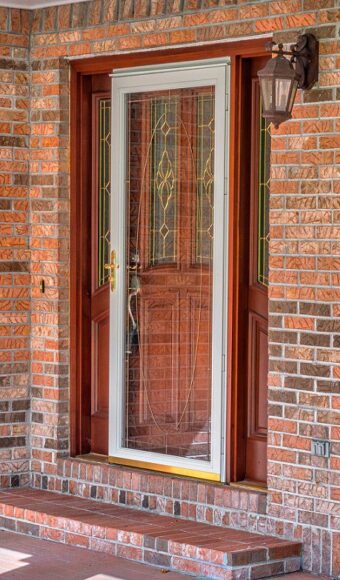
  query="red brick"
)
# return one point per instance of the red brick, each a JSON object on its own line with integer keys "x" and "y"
{"x": 304, "y": 233}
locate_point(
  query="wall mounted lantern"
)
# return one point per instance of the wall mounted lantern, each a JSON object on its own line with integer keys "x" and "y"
{"x": 280, "y": 78}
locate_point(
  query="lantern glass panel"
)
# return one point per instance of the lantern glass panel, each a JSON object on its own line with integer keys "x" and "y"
{"x": 292, "y": 95}
{"x": 282, "y": 90}
{"x": 267, "y": 93}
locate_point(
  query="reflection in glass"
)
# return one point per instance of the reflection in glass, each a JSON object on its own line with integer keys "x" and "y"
{"x": 282, "y": 88}
{"x": 205, "y": 178}
{"x": 267, "y": 92}
{"x": 170, "y": 189}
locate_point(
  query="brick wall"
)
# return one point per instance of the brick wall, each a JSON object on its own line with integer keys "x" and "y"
{"x": 14, "y": 247}
{"x": 305, "y": 249}
{"x": 49, "y": 175}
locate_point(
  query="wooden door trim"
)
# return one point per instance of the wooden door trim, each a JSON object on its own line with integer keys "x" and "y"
{"x": 105, "y": 64}
{"x": 237, "y": 274}
{"x": 80, "y": 69}
{"x": 79, "y": 276}
{"x": 241, "y": 231}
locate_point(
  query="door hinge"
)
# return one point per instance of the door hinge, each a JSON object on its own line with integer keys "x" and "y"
{"x": 226, "y": 186}
{"x": 222, "y": 447}
{"x": 223, "y": 363}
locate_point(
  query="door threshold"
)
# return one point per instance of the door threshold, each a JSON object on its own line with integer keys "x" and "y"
{"x": 166, "y": 469}
{"x": 151, "y": 468}
{"x": 93, "y": 458}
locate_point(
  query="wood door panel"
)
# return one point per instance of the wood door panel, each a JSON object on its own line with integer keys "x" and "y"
{"x": 100, "y": 365}
{"x": 257, "y": 292}
{"x": 257, "y": 380}
{"x": 258, "y": 300}
{"x": 248, "y": 337}
{"x": 256, "y": 461}
{"x": 99, "y": 287}
{"x": 99, "y": 383}
{"x": 100, "y": 301}
{"x": 257, "y": 398}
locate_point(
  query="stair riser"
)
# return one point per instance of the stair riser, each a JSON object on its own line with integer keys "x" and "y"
{"x": 200, "y": 501}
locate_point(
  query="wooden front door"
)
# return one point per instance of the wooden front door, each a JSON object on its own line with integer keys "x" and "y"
{"x": 249, "y": 235}
{"x": 171, "y": 225}
{"x": 167, "y": 236}
{"x": 100, "y": 248}
{"x": 256, "y": 328}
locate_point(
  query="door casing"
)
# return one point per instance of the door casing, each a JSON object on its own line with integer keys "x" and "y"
{"x": 240, "y": 54}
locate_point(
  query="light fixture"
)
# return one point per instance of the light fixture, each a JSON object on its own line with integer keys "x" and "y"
{"x": 280, "y": 78}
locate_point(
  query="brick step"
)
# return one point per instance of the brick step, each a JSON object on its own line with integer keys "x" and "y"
{"x": 193, "y": 548}
{"x": 165, "y": 494}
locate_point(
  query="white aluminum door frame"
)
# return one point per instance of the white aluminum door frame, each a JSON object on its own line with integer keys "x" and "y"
{"x": 175, "y": 76}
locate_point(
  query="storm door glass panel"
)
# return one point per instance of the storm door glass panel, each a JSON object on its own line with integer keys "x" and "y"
{"x": 170, "y": 177}
{"x": 263, "y": 200}
{"x": 104, "y": 181}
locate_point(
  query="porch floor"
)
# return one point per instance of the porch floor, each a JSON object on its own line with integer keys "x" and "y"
{"x": 25, "y": 558}
{"x": 189, "y": 547}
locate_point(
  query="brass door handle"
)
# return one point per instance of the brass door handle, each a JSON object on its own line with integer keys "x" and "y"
{"x": 112, "y": 267}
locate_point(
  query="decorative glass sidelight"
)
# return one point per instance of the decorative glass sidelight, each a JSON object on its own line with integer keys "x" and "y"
{"x": 263, "y": 200}
{"x": 104, "y": 187}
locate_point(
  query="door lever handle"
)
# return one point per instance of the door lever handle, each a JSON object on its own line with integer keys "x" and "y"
{"x": 112, "y": 266}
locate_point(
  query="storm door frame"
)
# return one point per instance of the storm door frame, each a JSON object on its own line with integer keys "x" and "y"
{"x": 212, "y": 73}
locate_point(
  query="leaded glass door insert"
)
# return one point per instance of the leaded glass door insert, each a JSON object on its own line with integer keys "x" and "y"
{"x": 104, "y": 187}
{"x": 167, "y": 231}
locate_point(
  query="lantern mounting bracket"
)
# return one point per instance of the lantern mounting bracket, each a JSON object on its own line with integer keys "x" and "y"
{"x": 305, "y": 57}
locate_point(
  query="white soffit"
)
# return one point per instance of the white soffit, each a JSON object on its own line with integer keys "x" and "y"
{"x": 33, "y": 4}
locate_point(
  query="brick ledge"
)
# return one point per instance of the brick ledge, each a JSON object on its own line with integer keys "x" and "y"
{"x": 153, "y": 491}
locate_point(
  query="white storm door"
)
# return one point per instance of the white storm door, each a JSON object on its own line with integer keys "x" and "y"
{"x": 168, "y": 295}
